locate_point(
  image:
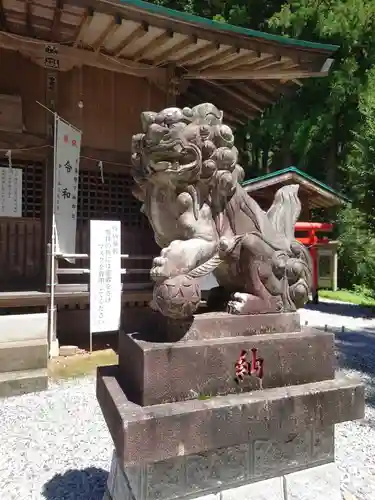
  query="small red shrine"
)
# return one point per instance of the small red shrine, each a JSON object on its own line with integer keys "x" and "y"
{"x": 313, "y": 195}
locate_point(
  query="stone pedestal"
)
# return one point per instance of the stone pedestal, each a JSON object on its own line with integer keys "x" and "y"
{"x": 314, "y": 483}
{"x": 182, "y": 427}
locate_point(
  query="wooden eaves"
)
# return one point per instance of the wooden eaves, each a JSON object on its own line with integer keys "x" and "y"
{"x": 316, "y": 193}
{"x": 240, "y": 70}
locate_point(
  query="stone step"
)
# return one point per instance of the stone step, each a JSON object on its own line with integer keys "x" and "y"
{"x": 157, "y": 372}
{"x": 16, "y": 383}
{"x": 20, "y": 327}
{"x": 23, "y": 355}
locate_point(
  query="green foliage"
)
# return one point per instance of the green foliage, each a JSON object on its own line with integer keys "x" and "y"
{"x": 357, "y": 250}
{"x": 358, "y": 297}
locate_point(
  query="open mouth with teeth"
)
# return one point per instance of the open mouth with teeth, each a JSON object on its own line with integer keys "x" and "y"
{"x": 180, "y": 160}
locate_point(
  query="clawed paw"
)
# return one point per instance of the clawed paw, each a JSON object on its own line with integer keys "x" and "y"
{"x": 163, "y": 268}
{"x": 239, "y": 303}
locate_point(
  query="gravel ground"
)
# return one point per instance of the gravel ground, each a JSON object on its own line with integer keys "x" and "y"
{"x": 55, "y": 445}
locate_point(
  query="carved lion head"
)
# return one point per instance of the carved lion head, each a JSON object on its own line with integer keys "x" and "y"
{"x": 183, "y": 147}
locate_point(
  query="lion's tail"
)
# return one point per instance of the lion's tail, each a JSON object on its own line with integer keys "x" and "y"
{"x": 285, "y": 211}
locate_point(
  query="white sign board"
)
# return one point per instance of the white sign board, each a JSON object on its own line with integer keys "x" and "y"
{"x": 10, "y": 192}
{"x": 105, "y": 275}
{"x": 67, "y": 152}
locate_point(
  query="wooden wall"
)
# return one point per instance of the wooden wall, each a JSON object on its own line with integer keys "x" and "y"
{"x": 21, "y": 254}
{"x": 20, "y": 76}
{"x": 112, "y": 103}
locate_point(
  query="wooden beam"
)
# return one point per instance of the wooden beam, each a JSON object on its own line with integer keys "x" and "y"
{"x": 55, "y": 26}
{"x": 112, "y": 27}
{"x": 255, "y": 75}
{"x": 174, "y": 51}
{"x": 21, "y": 144}
{"x": 204, "y": 51}
{"x": 204, "y": 95}
{"x": 41, "y": 147}
{"x": 78, "y": 57}
{"x": 202, "y": 31}
{"x": 255, "y": 93}
{"x": 242, "y": 60}
{"x": 296, "y": 81}
{"x": 268, "y": 87}
{"x": 263, "y": 63}
{"x": 117, "y": 159}
{"x": 3, "y": 20}
{"x": 136, "y": 34}
{"x": 271, "y": 65}
{"x": 217, "y": 59}
{"x": 228, "y": 117}
{"x": 145, "y": 52}
{"x": 85, "y": 22}
{"x": 245, "y": 101}
{"x": 28, "y": 21}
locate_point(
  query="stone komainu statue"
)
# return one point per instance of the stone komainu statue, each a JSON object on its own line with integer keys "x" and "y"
{"x": 188, "y": 180}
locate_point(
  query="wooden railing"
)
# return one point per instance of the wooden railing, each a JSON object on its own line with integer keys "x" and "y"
{"x": 85, "y": 271}
{"x": 53, "y": 273}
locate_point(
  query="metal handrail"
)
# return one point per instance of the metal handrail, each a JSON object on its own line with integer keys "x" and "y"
{"x": 70, "y": 270}
{"x": 87, "y": 256}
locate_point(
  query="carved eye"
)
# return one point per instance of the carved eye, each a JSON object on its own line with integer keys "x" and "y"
{"x": 226, "y": 133}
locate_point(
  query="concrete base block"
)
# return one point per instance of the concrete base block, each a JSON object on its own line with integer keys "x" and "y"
{"x": 20, "y": 327}
{"x": 315, "y": 483}
{"x": 22, "y": 382}
{"x": 25, "y": 355}
{"x": 161, "y": 372}
{"x": 277, "y": 421}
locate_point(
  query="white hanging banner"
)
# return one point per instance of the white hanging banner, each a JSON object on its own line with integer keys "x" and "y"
{"x": 105, "y": 275}
{"x": 67, "y": 153}
{"x": 10, "y": 192}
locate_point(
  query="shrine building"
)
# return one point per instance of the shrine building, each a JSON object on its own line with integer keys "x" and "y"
{"x": 313, "y": 195}
{"x": 99, "y": 64}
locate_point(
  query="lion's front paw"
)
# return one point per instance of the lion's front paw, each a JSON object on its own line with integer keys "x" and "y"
{"x": 163, "y": 268}
{"x": 239, "y": 303}
{"x": 246, "y": 303}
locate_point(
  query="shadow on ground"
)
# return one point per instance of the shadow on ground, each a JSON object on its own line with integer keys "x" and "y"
{"x": 356, "y": 351}
{"x": 343, "y": 309}
{"x": 85, "y": 484}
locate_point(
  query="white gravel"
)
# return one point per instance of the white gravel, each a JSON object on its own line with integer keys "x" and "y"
{"x": 55, "y": 445}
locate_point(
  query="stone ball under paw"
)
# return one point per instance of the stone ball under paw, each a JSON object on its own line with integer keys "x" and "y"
{"x": 177, "y": 297}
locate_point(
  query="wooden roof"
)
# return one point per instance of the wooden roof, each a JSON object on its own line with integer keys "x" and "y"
{"x": 240, "y": 70}
{"x": 318, "y": 194}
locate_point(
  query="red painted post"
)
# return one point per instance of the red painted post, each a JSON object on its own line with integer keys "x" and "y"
{"x": 315, "y": 276}
{"x": 312, "y": 241}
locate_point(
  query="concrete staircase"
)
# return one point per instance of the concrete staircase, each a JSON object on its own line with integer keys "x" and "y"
{"x": 23, "y": 354}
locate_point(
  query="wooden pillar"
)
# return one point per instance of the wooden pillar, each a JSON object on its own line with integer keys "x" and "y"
{"x": 171, "y": 86}
{"x": 51, "y": 80}
{"x": 51, "y": 75}
{"x": 313, "y": 240}
{"x": 50, "y": 102}
{"x": 334, "y": 268}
